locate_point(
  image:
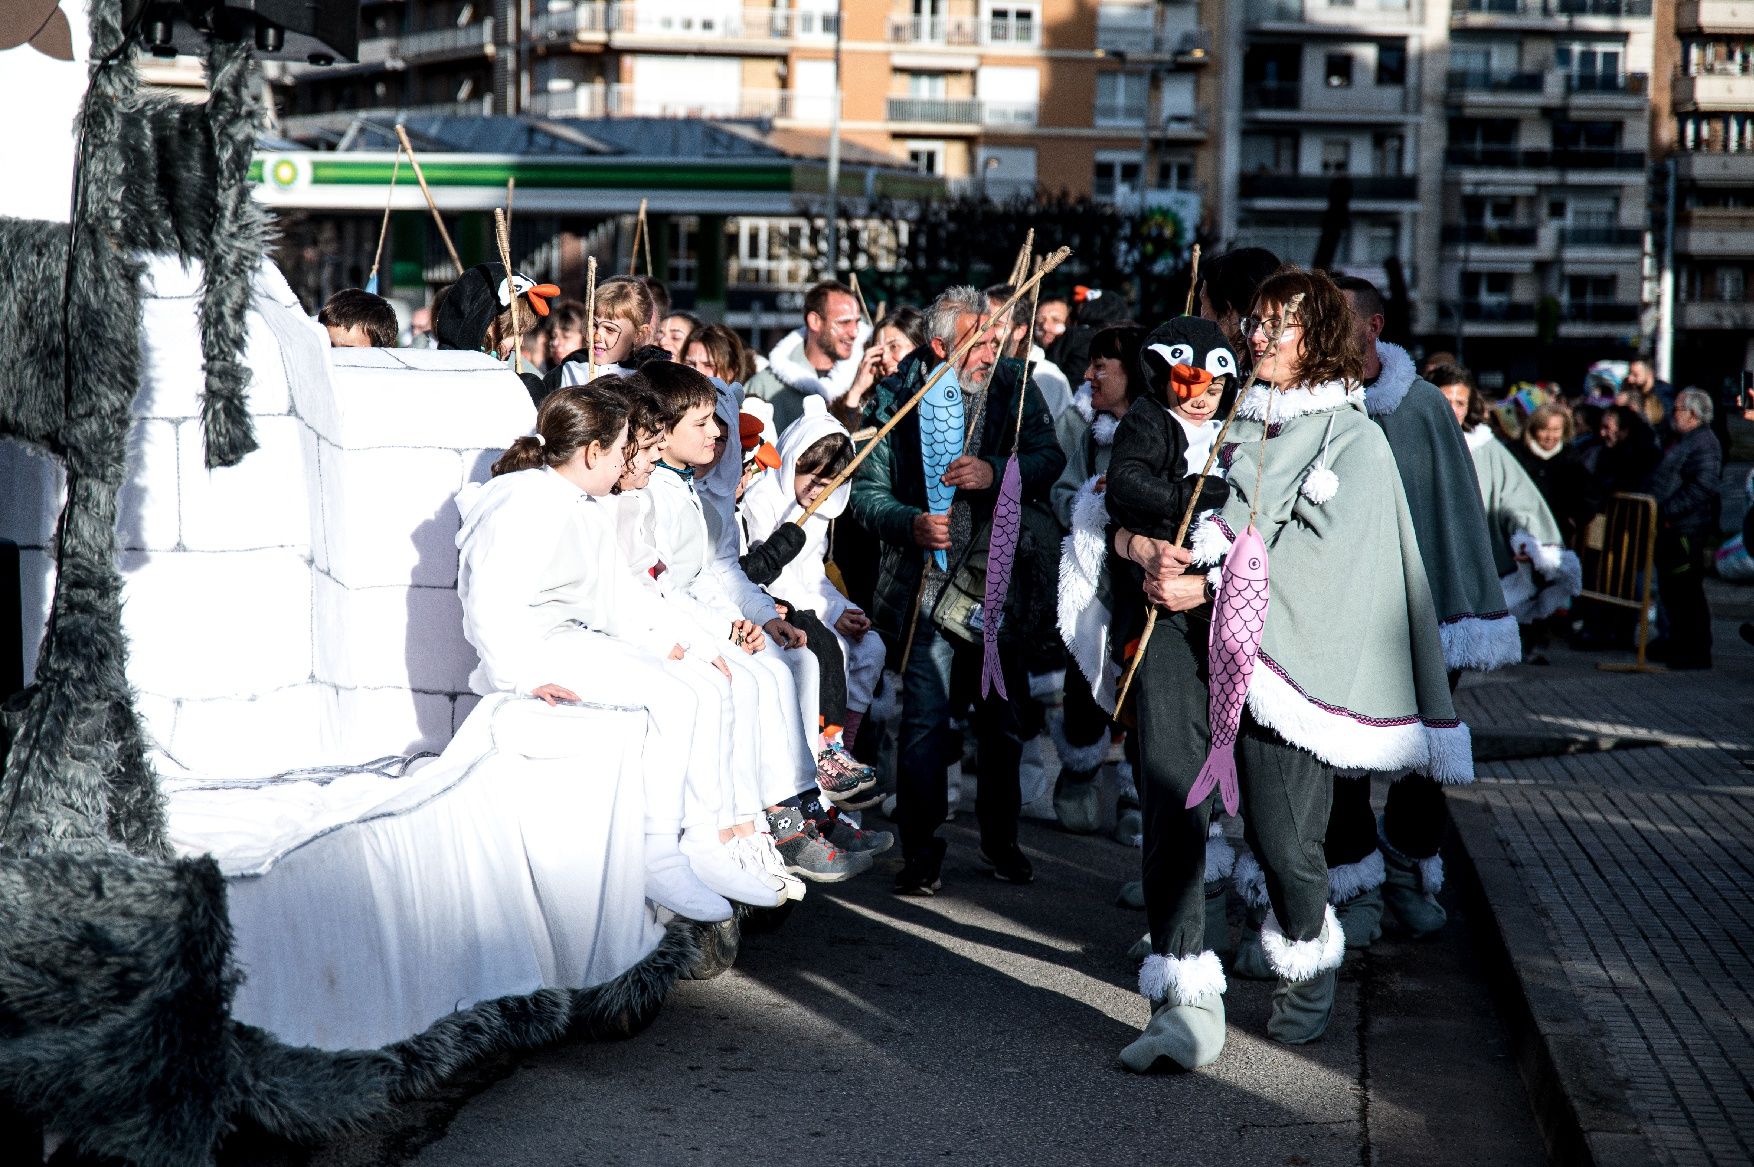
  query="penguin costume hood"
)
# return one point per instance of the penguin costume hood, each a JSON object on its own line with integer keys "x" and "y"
{"x": 479, "y": 295}
{"x": 1182, "y": 356}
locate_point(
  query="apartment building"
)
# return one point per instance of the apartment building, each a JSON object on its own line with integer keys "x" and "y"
{"x": 1545, "y": 208}
{"x": 1711, "y": 99}
{"x": 1336, "y": 120}
{"x": 1001, "y": 95}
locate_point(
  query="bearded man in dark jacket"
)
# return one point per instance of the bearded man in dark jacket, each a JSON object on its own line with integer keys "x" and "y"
{"x": 889, "y": 500}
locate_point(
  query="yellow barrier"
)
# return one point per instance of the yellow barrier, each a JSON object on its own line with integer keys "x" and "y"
{"x": 1620, "y": 547}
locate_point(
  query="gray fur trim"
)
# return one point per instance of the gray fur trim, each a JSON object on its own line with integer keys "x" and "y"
{"x": 1351, "y": 880}
{"x": 1250, "y": 880}
{"x": 1079, "y": 759}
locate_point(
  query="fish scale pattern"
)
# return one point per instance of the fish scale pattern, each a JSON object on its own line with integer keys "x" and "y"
{"x": 941, "y": 436}
{"x": 1001, "y": 555}
{"x": 1237, "y": 625}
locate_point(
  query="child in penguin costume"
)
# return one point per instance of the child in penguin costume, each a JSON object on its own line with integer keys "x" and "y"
{"x": 1160, "y": 449}
{"x": 475, "y": 313}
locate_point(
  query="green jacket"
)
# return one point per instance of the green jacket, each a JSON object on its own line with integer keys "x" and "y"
{"x": 889, "y": 489}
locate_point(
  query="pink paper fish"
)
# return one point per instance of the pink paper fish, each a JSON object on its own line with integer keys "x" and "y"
{"x": 1001, "y": 554}
{"x": 1237, "y": 623}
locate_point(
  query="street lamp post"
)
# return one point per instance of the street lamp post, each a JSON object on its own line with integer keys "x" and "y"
{"x": 834, "y": 151}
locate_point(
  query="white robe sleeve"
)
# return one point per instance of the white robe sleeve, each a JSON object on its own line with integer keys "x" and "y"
{"x": 499, "y": 617}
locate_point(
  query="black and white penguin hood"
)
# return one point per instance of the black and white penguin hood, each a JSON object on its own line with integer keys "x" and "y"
{"x": 1186, "y": 350}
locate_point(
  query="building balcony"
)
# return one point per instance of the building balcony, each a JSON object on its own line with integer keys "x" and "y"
{"x": 1322, "y": 15}
{"x": 1019, "y": 29}
{"x": 1174, "y": 31}
{"x": 953, "y": 112}
{"x": 1716, "y": 315}
{"x": 1491, "y": 312}
{"x": 1725, "y": 91}
{"x": 391, "y": 52}
{"x": 1715, "y": 232}
{"x": 1516, "y": 158}
{"x": 1533, "y": 84}
{"x": 608, "y": 101}
{"x": 1715, "y": 167}
{"x": 708, "y": 27}
{"x": 1527, "y": 13}
{"x": 1486, "y": 236}
{"x": 1602, "y": 237}
{"x": 1317, "y": 187}
{"x": 1599, "y": 312}
{"x": 1715, "y": 16}
{"x": 1128, "y": 119}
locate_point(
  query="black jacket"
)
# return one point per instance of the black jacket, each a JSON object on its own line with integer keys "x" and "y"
{"x": 1687, "y": 483}
{"x": 1569, "y": 489}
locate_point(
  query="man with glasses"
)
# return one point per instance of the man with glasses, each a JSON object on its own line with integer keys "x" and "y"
{"x": 821, "y": 358}
{"x": 1686, "y": 485}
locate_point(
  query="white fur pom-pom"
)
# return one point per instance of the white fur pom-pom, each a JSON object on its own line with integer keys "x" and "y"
{"x": 1320, "y": 483}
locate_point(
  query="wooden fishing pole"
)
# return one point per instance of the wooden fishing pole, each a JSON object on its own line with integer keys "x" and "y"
{"x": 502, "y": 233}
{"x": 1020, "y": 267}
{"x": 646, "y": 239}
{"x": 371, "y": 281}
{"x": 863, "y": 311}
{"x": 1181, "y": 532}
{"x": 511, "y": 193}
{"x": 973, "y": 338}
{"x": 420, "y": 177}
{"x": 591, "y": 318}
{"x": 1193, "y": 282}
{"x": 639, "y": 232}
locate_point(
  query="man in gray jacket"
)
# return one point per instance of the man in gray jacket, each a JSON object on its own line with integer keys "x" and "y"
{"x": 1686, "y": 485}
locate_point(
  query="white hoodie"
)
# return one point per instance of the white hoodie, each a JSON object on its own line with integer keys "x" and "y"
{"x": 771, "y": 500}
{"x": 787, "y": 362}
{"x": 537, "y": 555}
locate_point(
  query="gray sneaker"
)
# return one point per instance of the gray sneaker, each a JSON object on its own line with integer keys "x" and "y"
{"x": 858, "y": 840}
{"x": 807, "y": 854}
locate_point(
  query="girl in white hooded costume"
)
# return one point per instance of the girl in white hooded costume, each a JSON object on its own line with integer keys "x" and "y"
{"x": 554, "y": 613}
{"x": 779, "y": 496}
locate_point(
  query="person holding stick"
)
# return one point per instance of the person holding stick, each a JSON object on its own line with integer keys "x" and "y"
{"x": 919, "y": 616}
{"x": 822, "y": 358}
{"x": 1350, "y": 668}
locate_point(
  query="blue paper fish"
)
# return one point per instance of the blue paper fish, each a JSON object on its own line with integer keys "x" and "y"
{"x": 941, "y": 436}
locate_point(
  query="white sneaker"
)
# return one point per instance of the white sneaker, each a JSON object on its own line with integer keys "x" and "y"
{"x": 748, "y": 857}
{"x": 671, "y": 883}
{"x": 713, "y": 862}
{"x": 761, "y": 845}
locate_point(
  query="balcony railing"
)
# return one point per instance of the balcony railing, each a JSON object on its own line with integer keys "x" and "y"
{"x": 634, "y": 19}
{"x": 1600, "y": 312}
{"x": 1590, "y": 235}
{"x": 1515, "y": 158}
{"x": 960, "y": 111}
{"x": 1608, "y": 84}
{"x": 1490, "y": 235}
{"x": 1272, "y": 94}
{"x": 1130, "y": 114}
{"x": 1325, "y": 12}
{"x": 1019, "y": 28}
{"x": 594, "y": 101}
{"x": 1492, "y": 311}
{"x": 1470, "y": 79}
{"x": 468, "y": 40}
{"x": 1558, "y": 8}
{"x": 1377, "y": 188}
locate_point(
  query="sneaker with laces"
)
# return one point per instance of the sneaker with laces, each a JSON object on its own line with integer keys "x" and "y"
{"x": 748, "y": 856}
{"x": 843, "y": 834}
{"x": 807, "y": 854}
{"x": 922, "y": 876}
{"x": 841, "y": 778}
{"x": 760, "y": 845}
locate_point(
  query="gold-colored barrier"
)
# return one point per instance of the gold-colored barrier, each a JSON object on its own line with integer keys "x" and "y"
{"x": 1619, "y": 550}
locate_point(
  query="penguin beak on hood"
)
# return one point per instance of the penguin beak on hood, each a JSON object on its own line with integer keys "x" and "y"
{"x": 1188, "y": 380}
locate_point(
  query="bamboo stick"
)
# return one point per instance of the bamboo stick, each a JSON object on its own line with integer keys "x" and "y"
{"x": 864, "y": 311}
{"x": 1193, "y": 283}
{"x": 503, "y": 236}
{"x": 591, "y": 319}
{"x": 371, "y": 281}
{"x": 420, "y": 177}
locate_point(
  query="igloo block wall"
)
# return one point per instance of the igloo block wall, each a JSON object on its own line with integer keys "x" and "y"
{"x": 300, "y": 608}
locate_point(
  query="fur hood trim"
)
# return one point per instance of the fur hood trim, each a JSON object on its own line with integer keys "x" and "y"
{"x": 1343, "y": 738}
{"x": 1103, "y": 429}
{"x": 1181, "y": 980}
{"x": 1391, "y": 385}
{"x": 787, "y": 362}
{"x": 1480, "y": 435}
{"x": 1302, "y": 960}
{"x": 1351, "y": 880}
{"x": 1081, "y": 402}
{"x": 1299, "y": 402}
{"x": 1482, "y": 643}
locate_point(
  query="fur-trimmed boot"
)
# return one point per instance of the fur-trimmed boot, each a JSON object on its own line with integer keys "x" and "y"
{"x": 1187, "y": 1013}
{"x": 1250, "y": 883}
{"x": 1355, "y": 890}
{"x": 1129, "y": 821}
{"x": 1077, "y": 796}
{"x": 1410, "y": 891}
{"x": 1308, "y": 972}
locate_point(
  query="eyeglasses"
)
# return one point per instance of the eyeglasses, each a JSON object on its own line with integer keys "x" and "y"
{"x": 608, "y": 328}
{"x": 1270, "y": 324}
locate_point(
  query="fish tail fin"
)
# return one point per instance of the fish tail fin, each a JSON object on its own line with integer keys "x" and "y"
{"x": 1219, "y": 772}
{"x": 942, "y": 560}
{"x": 992, "y": 676}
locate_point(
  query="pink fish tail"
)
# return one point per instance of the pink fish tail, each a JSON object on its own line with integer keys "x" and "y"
{"x": 1220, "y": 768}
{"x": 992, "y": 676}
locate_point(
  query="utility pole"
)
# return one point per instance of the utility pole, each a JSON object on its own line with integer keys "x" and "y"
{"x": 1665, "y": 339}
{"x": 834, "y": 152}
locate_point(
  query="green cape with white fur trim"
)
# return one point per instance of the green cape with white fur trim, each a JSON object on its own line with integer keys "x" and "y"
{"x": 1351, "y": 665}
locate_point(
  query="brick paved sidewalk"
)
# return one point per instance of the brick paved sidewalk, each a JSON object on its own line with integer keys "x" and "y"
{"x": 1623, "y": 883}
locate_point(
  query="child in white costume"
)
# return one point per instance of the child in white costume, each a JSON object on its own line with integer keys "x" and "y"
{"x": 553, "y": 613}
{"x": 777, "y": 497}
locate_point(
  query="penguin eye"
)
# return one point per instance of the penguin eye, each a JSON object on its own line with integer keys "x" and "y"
{"x": 1220, "y": 363}
{"x": 1181, "y": 354}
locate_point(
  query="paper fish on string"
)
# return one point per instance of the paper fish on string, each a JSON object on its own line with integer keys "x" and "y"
{"x": 1001, "y": 555}
{"x": 1238, "y": 620}
{"x": 941, "y": 437}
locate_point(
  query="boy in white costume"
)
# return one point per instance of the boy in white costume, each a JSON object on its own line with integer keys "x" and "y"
{"x": 811, "y": 450}
{"x": 775, "y": 685}
{"x": 553, "y": 613}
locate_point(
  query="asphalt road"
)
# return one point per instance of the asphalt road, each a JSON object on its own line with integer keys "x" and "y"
{"x": 982, "y": 1027}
